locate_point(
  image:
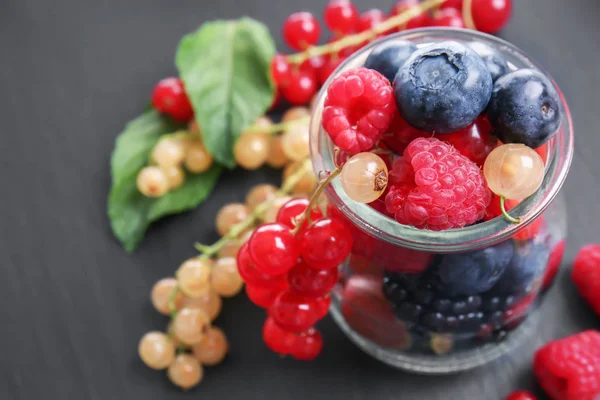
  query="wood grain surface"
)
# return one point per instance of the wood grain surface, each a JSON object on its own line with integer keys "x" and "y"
{"x": 73, "y": 304}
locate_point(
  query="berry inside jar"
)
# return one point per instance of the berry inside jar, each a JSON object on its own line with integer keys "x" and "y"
{"x": 439, "y": 135}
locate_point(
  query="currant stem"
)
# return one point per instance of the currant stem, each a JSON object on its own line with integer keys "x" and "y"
{"x": 313, "y": 200}
{"x": 359, "y": 38}
{"x": 467, "y": 14}
{"x": 505, "y": 213}
{"x": 280, "y": 127}
{"x": 237, "y": 229}
{"x": 171, "y": 303}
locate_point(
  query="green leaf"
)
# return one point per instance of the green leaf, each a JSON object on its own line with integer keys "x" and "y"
{"x": 225, "y": 66}
{"x": 129, "y": 211}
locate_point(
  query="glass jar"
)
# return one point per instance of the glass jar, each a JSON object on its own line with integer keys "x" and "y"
{"x": 391, "y": 301}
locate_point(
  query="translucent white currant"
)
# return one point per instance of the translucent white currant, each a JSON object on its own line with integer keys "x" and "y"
{"x": 276, "y": 157}
{"x": 307, "y": 183}
{"x": 190, "y": 325}
{"x": 251, "y": 150}
{"x": 185, "y": 372}
{"x": 161, "y": 291}
{"x": 156, "y": 350}
{"x": 152, "y": 182}
{"x": 259, "y": 194}
{"x": 513, "y": 171}
{"x": 197, "y": 158}
{"x": 225, "y": 278}
{"x": 295, "y": 113}
{"x": 168, "y": 152}
{"x": 193, "y": 277}
{"x": 210, "y": 303}
{"x": 364, "y": 177}
{"x": 294, "y": 142}
{"x": 213, "y": 349}
{"x": 229, "y": 215}
{"x": 175, "y": 176}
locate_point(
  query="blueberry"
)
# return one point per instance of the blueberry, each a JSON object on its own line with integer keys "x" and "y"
{"x": 474, "y": 272}
{"x": 388, "y": 57}
{"x": 442, "y": 88}
{"x": 528, "y": 263}
{"x": 494, "y": 62}
{"x": 524, "y": 108}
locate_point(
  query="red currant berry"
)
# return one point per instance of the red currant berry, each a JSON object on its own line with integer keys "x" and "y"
{"x": 280, "y": 70}
{"x": 273, "y": 249}
{"x": 475, "y": 141}
{"x": 326, "y": 243}
{"x": 276, "y": 100}
{"x": 400, "y": 134}
{"x": 295, "y": 313}
{"x": 312, "y": 282}
{"x": 301, "y": 89}
{"x": 340, "y": 16}
{"x": 420, "y": 21}
{"x": 253, "y": 276}
{"x": 169, "y": 98}
{"x": 276, "y": 339}
{"x": 491, "y": 15}
{"x": 369, "y": 19}
{"x": 263, "y": 297}
{"x": 457, "y": 4}
{"x": 330, "y": 65}
{"x": 301, "y": 30}
{"x": 323, "y": 304}
{"x": 294, "y": 208}
{"x": 521, "y": 395}
{"x": 313, "y": 65}
{"x": 451, "y": 17}
{"x": 308, "y": 346}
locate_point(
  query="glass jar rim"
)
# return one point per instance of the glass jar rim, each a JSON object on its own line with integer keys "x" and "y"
{"x": 488, "y": 233}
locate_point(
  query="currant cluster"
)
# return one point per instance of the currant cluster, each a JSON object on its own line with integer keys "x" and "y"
{"x": 289, "y": 267}
{"x": 297, "y": 83}
{"x": 170, "y": 158}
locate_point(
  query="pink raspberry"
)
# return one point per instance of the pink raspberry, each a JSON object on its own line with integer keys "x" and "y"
{"x": 435, "y": 187}
{"x": 358, "y": 109}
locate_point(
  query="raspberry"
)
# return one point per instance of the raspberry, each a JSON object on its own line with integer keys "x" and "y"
{"x": 569, "y": 368}
{"x": 435, "y": 187}
{"x": 586, "y": 275}
{"x": 358, "y": 109}
{"x": 521, "y": 395}
{"x": 553, "y": 264}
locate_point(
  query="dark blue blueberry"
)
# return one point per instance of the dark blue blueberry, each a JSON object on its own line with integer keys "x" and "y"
{"x": 470, "y": 322}
{"x": 388, "y": 57}
{"x": 494, "y": 62}
{"x": 498, "y": 303}
{"x": 409, "y": 311}
{"x": 434, "y": 321}
{"x": 467, "y": 274}
{"x": 524, "y": 108}
{"x": 496, "y": 319}
{"x": 528, "y": 263}
{"x": 423, "y": 296}
{"x": 393, "y": 291}
{"x": 442, "y": 88}
{"x": 442, "y": 305}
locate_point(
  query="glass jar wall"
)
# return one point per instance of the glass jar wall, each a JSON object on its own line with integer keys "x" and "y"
{"x": 436, "y": 302}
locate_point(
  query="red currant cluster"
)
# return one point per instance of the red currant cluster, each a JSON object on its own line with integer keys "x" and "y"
{"x": 290, "y": 267}
{"x": 297, "y": 84}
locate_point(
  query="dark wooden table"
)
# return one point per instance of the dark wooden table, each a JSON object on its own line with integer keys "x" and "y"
{"x": 73, "y": 304}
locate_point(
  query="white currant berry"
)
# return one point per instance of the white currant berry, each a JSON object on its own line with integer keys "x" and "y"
{"x": 295, "y": 113}
{"x": 168, "y": 152}
{"x": 229, "y": 215}
{"x": 193, "y": 277}
{"x": 276, "y": 157}
{"x": 514, "y": 171}
{"x": 294, "y": 142}
{"x": 259, "y": 194}
{"x": 185, "y": 372}
{"x": 152, "y": 182}
{"x": 156, "y": 350}
{"x": 263, "y": 122}
{"x": 210, "y": 303}
{"x": 364, "y": 177}
{"x": 251, "y": 150}
{"x": 175, "y": 176}
{"x": 225, "y": 278}
{"x": 271, "y": 214}
{"x": 161, "y": 292}
{"x": 197, "y": 158}
{"x": 213, "y": 349}
{"x": 306, "y": 184}
{"x": 190, "y": 325}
